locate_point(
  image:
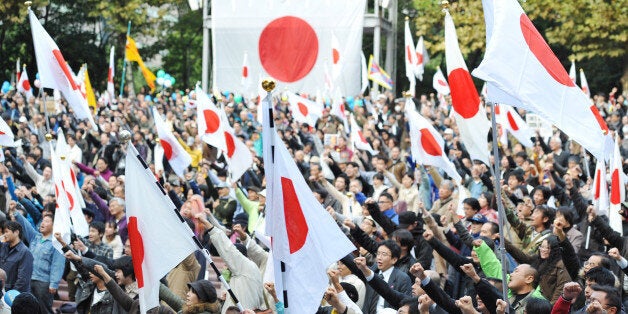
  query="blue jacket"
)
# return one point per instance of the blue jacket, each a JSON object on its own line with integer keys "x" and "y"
{"x": 17, "y": 262}
{"x": 48, "y": 263}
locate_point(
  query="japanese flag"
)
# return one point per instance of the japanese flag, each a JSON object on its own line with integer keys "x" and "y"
{"x": 542, "y": 85}
{"x": 289, "y": 40}
{"x": 410, "y": 56}
{"x": 336, "y": 57}
{"x": 512, "y": 122}
{"x": 618, "y": 188}
{"x": 304, "y": 236}
{"x": 62, "y": 222}
{"x": 239, "y": 157}
{"x": 6, "y": 134}
{"x": 55, "y": 73}
{"x": 427, "y": 146}
{"x": 468, "y": 111}
{"x": 421, "y": 59}
{"x": 304, "y": 110}
{"x": 160, "y": 238}
{"x": 177, "y": 157}
{"x": 110, "y": 74}
{"x": 572, "y": 71}
{"x": 210, "y": 126}
{"x": 24, "y": 85}
{"x": 246, "y": 78}
{"x": 338, "y": 109}
{"x": 600, "y": 188}
{"x": 584, "y": 84}
{"x": 357, "y": 138}
{"x": 439, "y": 82}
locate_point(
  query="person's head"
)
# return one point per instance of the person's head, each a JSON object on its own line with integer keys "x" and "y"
{"x": 388, "y": 252}
{"x": 404, "y": 239}
{"x": 471, "y": 207}
{"x": 111, "y": 228}
{"x": 541, "y": 194}
{"x": 47, "y": 173}
{"x": 597, "y": 260}
{"x": 368, "y": 225}
{"x": 564, "y": 217}
{"x": 116, "y": 207}
{"x": 385, "y": 201}
{"x": 555, "y": 143}
{"x": 597, "y": 275}
{"x": 446, "y": 189}
{"x": 13, "y": 232}
{"x": 355, "y": 186}
{"x": 407, "y": 180}
{"x": 490, "y": 230}
{"x": 523, "y": 279}
{"x": 123, "y": 266}
{"x": 101, "y": 165}
{"x": 538, "y": 306}
{"x": 45, "y": 227}
{"x": 608, "y": 297}
{"x": 201, "y": 291}
{"x": 409, "y": 306}
{"x": 477, "y": 221}
{"x": 549, "y": 248}
{"x": 351, "y": 291}
{"x": 344, "y": 270}
{"x": 543, "y": 217}
{"x": 26, "y": 302}
{"x": 485, "y": 199}
{"x": 408, "y": 220}
{"x": 96, "y": 231}
{"x": 127, "y": 248}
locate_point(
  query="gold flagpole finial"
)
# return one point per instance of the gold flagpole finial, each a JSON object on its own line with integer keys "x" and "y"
{"x": 407, "y": 18}
{"x": 48, "y": 137}
{"x": 407, "y": 94}
{"x": 28, "y": 3}
{"x": 445, "y": 5}
{"x": 268, "y": 85}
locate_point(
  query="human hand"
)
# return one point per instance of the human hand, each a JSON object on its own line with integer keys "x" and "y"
{"x": 71, "y": 256}
{"x": 465, "y": 304}
{"x": 79, "y": 245}
{"x": 360, "y": 262}
{"x": 571, "y": 291}
{"x": 501, "y": 306}
{"x": 469, "y": 270}
{"x": 428, "y": 234}
{"x": 270, "y": 287}
{"x": 334, "y": 275}
{"x": 592, "y": 213}
{"x": 424, "y": 303}
{"x": 101, "y": 271}
{"x": 614, "y": 254}
{"x": 477, "y": 242}
{"x": 237, "y": 228}
{"x": 417, "y": 271}
{"x": 349, "y": 223}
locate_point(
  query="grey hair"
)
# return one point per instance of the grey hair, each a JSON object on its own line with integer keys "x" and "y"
{"x": 117, "y": 200}
{"x": 449, "y": 183}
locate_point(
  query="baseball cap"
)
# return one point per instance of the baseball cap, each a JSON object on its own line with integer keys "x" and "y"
{"x": 406, "y": 219}
{"x": 478, "y": 218}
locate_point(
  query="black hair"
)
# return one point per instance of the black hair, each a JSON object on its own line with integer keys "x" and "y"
{"x": 494, "y": 226}
{"x": 387, "y": 195}
{"x": 605, "y": 260}
{"x": 567, "y": 212}
{"x": 473, "y": 202}
{"x": 538, "y": 306}
{"x": 547, "y": 193}
{"x": 404, "y": 237}
{"x": 99, "y": 226}
{"x": 412, "y": 303}
{"x": 15, "y": 226}
{"x": 378, "y": 176}
{"x": 545, "y": 265}
{"x": 395, "y": 250}
{"x": 612, "y": 295}
{"x": 548, "y": 212}
{"x": 601, "y": 276}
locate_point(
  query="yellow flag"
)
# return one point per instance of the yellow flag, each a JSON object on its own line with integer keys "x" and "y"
{"x": 132, "y": 54}
{"x": 89, "y": 92}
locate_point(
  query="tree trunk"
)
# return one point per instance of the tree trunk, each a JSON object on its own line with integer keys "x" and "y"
{"x": 624, "y": 78}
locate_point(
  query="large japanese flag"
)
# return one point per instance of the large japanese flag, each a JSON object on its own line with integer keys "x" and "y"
{"x": 177, "y": 157}
{"x": 54, "y": 72}
{"x": 24, "y": 85}
{"x": 210, "y": 127}
{"x": 426, "y": 145}
{"x": 7, "y": 138}
{"x": 160, "y": 238}
{"x": 468, "y": 111}
{"x": 512, "y": 122}
{"x": 304, "y": 110}
{"x": 288, "y": 40}
{"x": 618, "y": 188}
{"x": 541, "y": 83}
{"x": 304, "y": 237}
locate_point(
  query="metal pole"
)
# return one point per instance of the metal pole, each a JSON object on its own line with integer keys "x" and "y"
{"x": 128, "y": 33}
{"x": 376, "y": 41}
{"x": 205, "y": 64}
{"x": 500, "y": 205}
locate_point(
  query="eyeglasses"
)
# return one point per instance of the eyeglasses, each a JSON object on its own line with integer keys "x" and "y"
{"x": 542, "y": 247}
{"x": 383, "y": 254}
{"x": 383, "y": 202}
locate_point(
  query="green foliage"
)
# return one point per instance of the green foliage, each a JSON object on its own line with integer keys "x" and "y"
{"x": 184, "y": 44}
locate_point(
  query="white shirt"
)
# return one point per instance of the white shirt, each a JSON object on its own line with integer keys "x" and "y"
{"x": 386, "y": 274}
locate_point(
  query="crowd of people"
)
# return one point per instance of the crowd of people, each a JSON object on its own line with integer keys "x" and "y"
{"x": 415, "y": 253}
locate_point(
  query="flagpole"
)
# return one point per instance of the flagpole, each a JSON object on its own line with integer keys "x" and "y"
{"x": 128, "y": 33}
{"x": 500, "y": 205}
{"x": 125, "y": 137}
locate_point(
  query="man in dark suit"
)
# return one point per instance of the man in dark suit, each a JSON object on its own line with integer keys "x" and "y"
{"x": 388, "y": 252}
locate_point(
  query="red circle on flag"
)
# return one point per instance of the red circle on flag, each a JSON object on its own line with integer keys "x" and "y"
{"x": 409, "y": 53}
{"x": 302, "y": 109}
{"x": 512, "y": 122}
{"x": 288, "y": 48}
{"x": 137, "y": 247}
{"x": 464, "y": 97}
{"x": 167, "y": 148}
{"x": 245, "y": 71}
{"x": 419, "y": 58}
{"x": 212, "y": 121}
{"x": 543, "y": 52}
{"x": 230, "y": 144}
{"x": 26, "y": 85}
{"x": 335, "y": 55}
{"x": 429, "y": 143}
{"x": 442, "y": 83}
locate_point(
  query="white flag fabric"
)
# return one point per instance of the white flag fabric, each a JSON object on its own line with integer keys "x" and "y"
{"x": 238, "y": 155}
{"x": 422, "y": 57}
{"x": 288, "y": 40}
{"x": 54, "y": 72}
{"x": 7, "y": 138}
{"x": 357, "y": 138}
{"x": 304, "y": 236}
{"x": 338, "y": 109}
{"x": 426, "y": 144}
{"x": 439, "y": 82}
{"x": 584, "y": 84}
{"x": 304, "y": 110}
{"x": 337, "y": 57}
{"x": 572, "y": 71}
{"x": 600, "y": 188}
{"x": 160, "y": 238}
{"x": 468, "y": 111}
{"x": 246, "y": 78}
{"x": 410, "y": 56}
{"x": 62, "y": 223}
{"x": 110, "y": 75}
{"x": 512, "y": 122}
{"x": 542, "y": 85}
{"x": 363, "y": 73}
{"x": 24, "y": 85}
{"x": 618, "y": 188}
{"x": 210, "y": 126}
{"x": 177, "y": 157}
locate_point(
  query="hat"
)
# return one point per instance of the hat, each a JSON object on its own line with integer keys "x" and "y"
{"x": 262, "y": 193}
{"x": 175, "y": 183}
{"x": 9, "y": 296}
{"x": 253, "y": 188}
{"x": 222, "y": 185}
{"x": 241, "y": 219}
{"x": 23, "y": 119}
{"x": 449, "y": 131}
{"x": 478, "y": 218}
{"x": 205, "y": 290}
{"x": 406, "y": 219}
